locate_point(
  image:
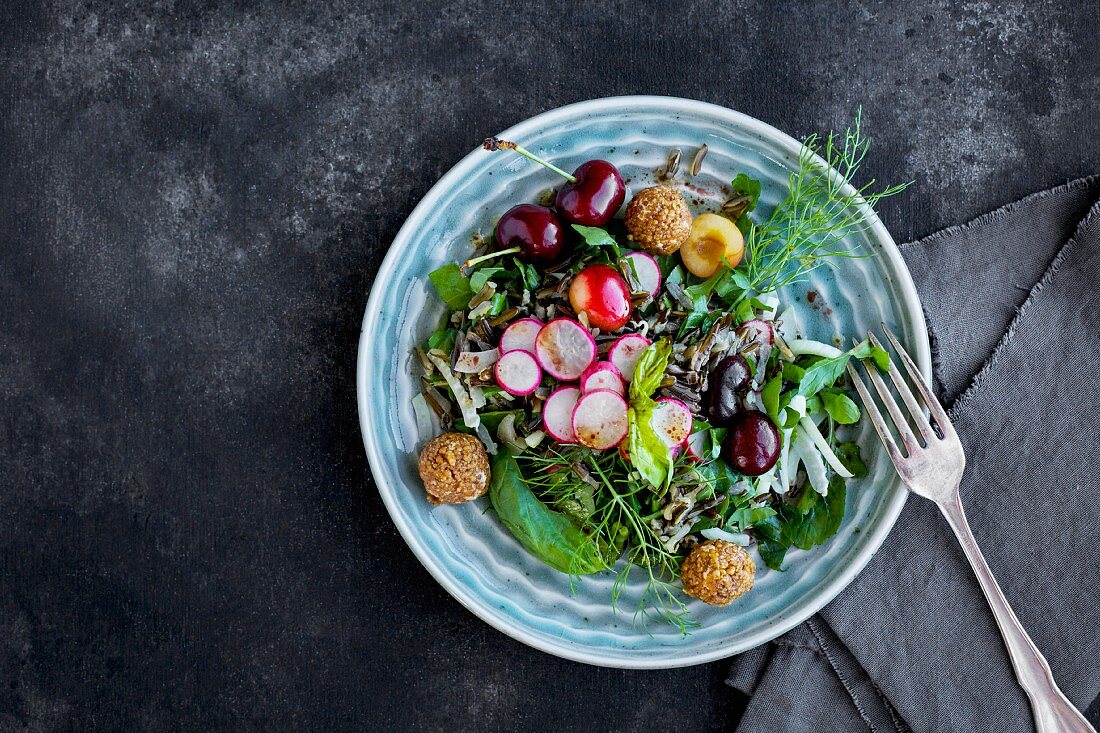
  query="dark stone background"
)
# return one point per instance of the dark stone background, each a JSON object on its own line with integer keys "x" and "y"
{"x": 193, "y": 201}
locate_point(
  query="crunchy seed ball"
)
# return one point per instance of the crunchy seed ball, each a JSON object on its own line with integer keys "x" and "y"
{"x": 658, "y": 220}
{"x": 717, "y": 572}
{"x": 454, "y": 468}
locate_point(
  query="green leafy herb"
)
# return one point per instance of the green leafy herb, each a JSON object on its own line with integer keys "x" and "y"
{"x": 746, "y": 192}
{"x": 865, "y": 350}
{"x": 839, "y": 406}
{"x": 548, "y": 535}
{"x": 528, "y": 272}
{"x": 499, "y": 304}
{"x": 822, "y": 374}
{"x": 453, "y": 287}
{"x": 769, "y": 395}
{"x": 595, "y": 236}
{"x": 811, "y": 521}
{"x": 648, "y": 453}
{"x": 809, "y": 226}
{"x": 650, "y": 370}
{"x": 850, "y": 457}
{"x": 482, "y": 275}
{"x": 444, "y": 337}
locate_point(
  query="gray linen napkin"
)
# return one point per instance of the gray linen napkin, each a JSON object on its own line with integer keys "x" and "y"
{"x": 1013, "y": 304}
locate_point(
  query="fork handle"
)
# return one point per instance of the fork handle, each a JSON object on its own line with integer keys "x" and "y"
{"x": 1053, "y": 712}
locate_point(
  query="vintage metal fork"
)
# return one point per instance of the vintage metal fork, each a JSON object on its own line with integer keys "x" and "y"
{"x": 934, "y": 470}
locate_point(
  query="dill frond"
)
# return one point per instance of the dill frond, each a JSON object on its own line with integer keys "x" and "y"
{"x": 808, "y": 227}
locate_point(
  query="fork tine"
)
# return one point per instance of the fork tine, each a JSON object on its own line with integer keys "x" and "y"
{"x": 877, "y": 419}
{"x": 900, "y": 423}
{"x": 907, "y": 397}
{"x": 938, "y": 413}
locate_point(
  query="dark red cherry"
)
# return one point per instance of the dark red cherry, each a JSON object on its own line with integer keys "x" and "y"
{"x": 535, "y": 230}
{"x": 751, "y": 446}
{"x": 724, "y": 386}
{"x": 594, "y": 197}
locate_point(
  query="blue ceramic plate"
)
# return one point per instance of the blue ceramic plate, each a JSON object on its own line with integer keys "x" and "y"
{"x": 464, "y": 547}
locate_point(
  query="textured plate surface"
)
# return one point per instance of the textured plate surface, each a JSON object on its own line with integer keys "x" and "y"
{"x": 465, "y": 548}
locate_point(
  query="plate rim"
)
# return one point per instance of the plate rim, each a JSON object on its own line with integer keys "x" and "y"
{"x": 364, "y": 370}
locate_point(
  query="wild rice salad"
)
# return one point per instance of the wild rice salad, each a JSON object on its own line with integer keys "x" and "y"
{"x": 634, "y": 385}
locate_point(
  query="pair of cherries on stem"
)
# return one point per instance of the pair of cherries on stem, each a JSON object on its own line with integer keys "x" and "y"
{"x": 590, "y": 197}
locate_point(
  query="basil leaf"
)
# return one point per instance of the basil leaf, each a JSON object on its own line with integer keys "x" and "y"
{"x": 648, "y": 453}
{"x": 453, "y": 287}
{"x": 839, "y": 406}
{"x": 650, "y": 370}
{"x": 548, "y": 535}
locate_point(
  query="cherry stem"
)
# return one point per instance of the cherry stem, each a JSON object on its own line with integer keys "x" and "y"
{"x": 495, "y": 143}
{"x": 484, "y": 258}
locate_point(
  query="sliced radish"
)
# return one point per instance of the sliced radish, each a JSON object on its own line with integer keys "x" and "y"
{"x": 600, "y": 419}
{"x": 756, "y": 331}
{"x": 603, "y": 375}
{"x": 557, "y": 414}
{"x": 699, "y": 445}
{"x": 520, "y": 336}
{"x": 672, "y": 421}
{"x": 564, "y": 348}
{"x": 625, "y": 353}
{"x": 641, "y": 269}
{"x": 518, "y": 373}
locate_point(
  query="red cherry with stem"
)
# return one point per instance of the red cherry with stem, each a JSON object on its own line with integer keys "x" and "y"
{"x": 533, "y": 233}
{"x": 594, "y": 197}
{"x": 600, "y": 292}
{"x": 594, "y": 191}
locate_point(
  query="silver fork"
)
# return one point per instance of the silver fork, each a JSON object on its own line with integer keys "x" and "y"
{"x": 934, "y": 470}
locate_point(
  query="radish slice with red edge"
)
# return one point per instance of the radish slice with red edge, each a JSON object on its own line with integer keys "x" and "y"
{"x": 641, "y": 269}
{"x": 520, "y": 335}
{"x": 564, "y": 349}
{"x": 756, "y": 331}
{"x": 603, "y": 375}
{"x": 600, "y": 419}
{"x": 699, "y": 445}
{"x": 518, "y": 373}
{"x": 625, "y": 353}
{"x": 557, "y": 414}
{"x": 671, "y": 421}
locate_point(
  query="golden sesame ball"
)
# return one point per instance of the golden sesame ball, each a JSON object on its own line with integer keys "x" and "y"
{"x": 658, "y": 220}
{"x": 454, "y": 468}
{"x": 718, "y": 572}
